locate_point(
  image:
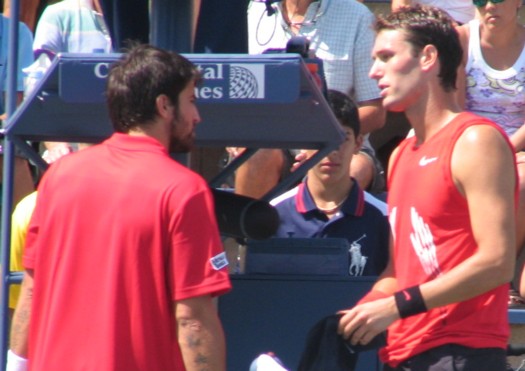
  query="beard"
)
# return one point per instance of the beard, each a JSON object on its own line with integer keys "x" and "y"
{"x": 182, "y": 145}
{"x": 180, "y": 142}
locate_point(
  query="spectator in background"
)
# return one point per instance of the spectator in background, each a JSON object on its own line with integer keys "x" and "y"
{"x": 451, "y": 198}
{"x": 462, "y": 11}
{"x": 492, "y": 84}
{"x": 23, "y": 179}
{"x": 221, "y": 27}
{"x": 70, "y": 26}
{"x": 128, "y": 21}
{"x": 123, "y": 245}
{"x": 344, "y": 47}
{"x": 28, "y": 11}
{"x": 329, "y": 203}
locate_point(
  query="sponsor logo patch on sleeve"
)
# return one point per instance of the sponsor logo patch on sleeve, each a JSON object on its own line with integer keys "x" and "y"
{"x": 219, "y": 261}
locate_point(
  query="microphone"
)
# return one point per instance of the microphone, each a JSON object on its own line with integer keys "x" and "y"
{"x": 269, "y": 8}
{"x": 299, "y": 45}
{"x": 244, "y": 217}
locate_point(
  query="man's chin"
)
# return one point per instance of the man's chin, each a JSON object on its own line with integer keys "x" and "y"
{"x": 178, "y": 147}
{"x": 393, "y": 107}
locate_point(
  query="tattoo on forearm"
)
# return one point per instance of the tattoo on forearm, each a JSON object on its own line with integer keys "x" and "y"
{"x": 202, "y": 361}
{"x": 194, "y": 342}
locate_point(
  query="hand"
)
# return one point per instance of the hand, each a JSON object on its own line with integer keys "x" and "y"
{"x": 362, "y": 323}
{"x": 300, "y": 158}
{"x": 55, "y": 152}
{"x": 234, "y": 151}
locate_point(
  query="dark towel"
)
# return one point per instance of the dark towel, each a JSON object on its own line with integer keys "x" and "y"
{"x": 326, "y": 350}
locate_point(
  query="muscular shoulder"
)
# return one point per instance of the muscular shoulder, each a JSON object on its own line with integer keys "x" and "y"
{"x": 482, "y": 153}
{"x": 482, "y": 139}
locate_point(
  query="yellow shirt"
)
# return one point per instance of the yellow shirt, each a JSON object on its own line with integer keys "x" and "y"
{"x": 19, "y": 225}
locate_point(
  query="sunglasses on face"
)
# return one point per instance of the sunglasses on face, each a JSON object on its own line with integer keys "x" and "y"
{"x": 481, "y": 3}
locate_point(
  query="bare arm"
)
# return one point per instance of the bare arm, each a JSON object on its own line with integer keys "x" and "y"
{"x": 372, "y": 115}
{"x": 20, "y": 326}
{"x": 396, "y": 4}
{"x": 522, "y": 281}
{"x": 200, "y": 334}
{"x": 489, "y": 190}
{"x": 387, "y": 282}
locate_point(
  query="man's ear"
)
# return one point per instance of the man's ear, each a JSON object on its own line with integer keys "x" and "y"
{"x": 429, "y": 57}
{"x": 164, "y": 106}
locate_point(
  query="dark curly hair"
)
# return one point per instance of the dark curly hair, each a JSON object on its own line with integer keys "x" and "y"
{"x": 425, "y": 25}
{"x": 138, "y": 78}
{"x": 345, "y": 110}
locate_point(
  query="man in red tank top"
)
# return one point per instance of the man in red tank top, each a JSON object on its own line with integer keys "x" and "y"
{"x": 452, "y": 201}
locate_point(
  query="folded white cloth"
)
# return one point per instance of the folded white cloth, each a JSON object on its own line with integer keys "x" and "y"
{"x": 267, "y": 362}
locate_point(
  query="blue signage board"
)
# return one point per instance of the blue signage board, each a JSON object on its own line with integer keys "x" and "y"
{"x": 246, "y": 79}
{"x": 260, "y": 101}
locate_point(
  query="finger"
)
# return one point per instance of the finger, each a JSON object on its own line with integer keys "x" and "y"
{"x": 300, "y": 156}
{"x": 356, "y": 336}
{"x": 343, "y": 321}
{"x": 348, "y": 325}
{"x": 367, "y": 337}
{"x": 234, "y": 151}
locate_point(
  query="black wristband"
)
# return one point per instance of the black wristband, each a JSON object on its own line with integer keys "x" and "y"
{"x": 409, "y": 302}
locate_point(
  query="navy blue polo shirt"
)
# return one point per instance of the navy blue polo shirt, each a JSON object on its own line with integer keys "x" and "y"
{"x": 362, "y": 220}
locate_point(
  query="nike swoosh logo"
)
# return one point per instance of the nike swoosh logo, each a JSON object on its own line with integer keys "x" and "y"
{"x": 425, "y": 161}
{"x": 407, "y": 295}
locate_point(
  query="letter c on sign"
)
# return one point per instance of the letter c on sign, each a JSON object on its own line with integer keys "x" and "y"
{"x": 101, "y": 70}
